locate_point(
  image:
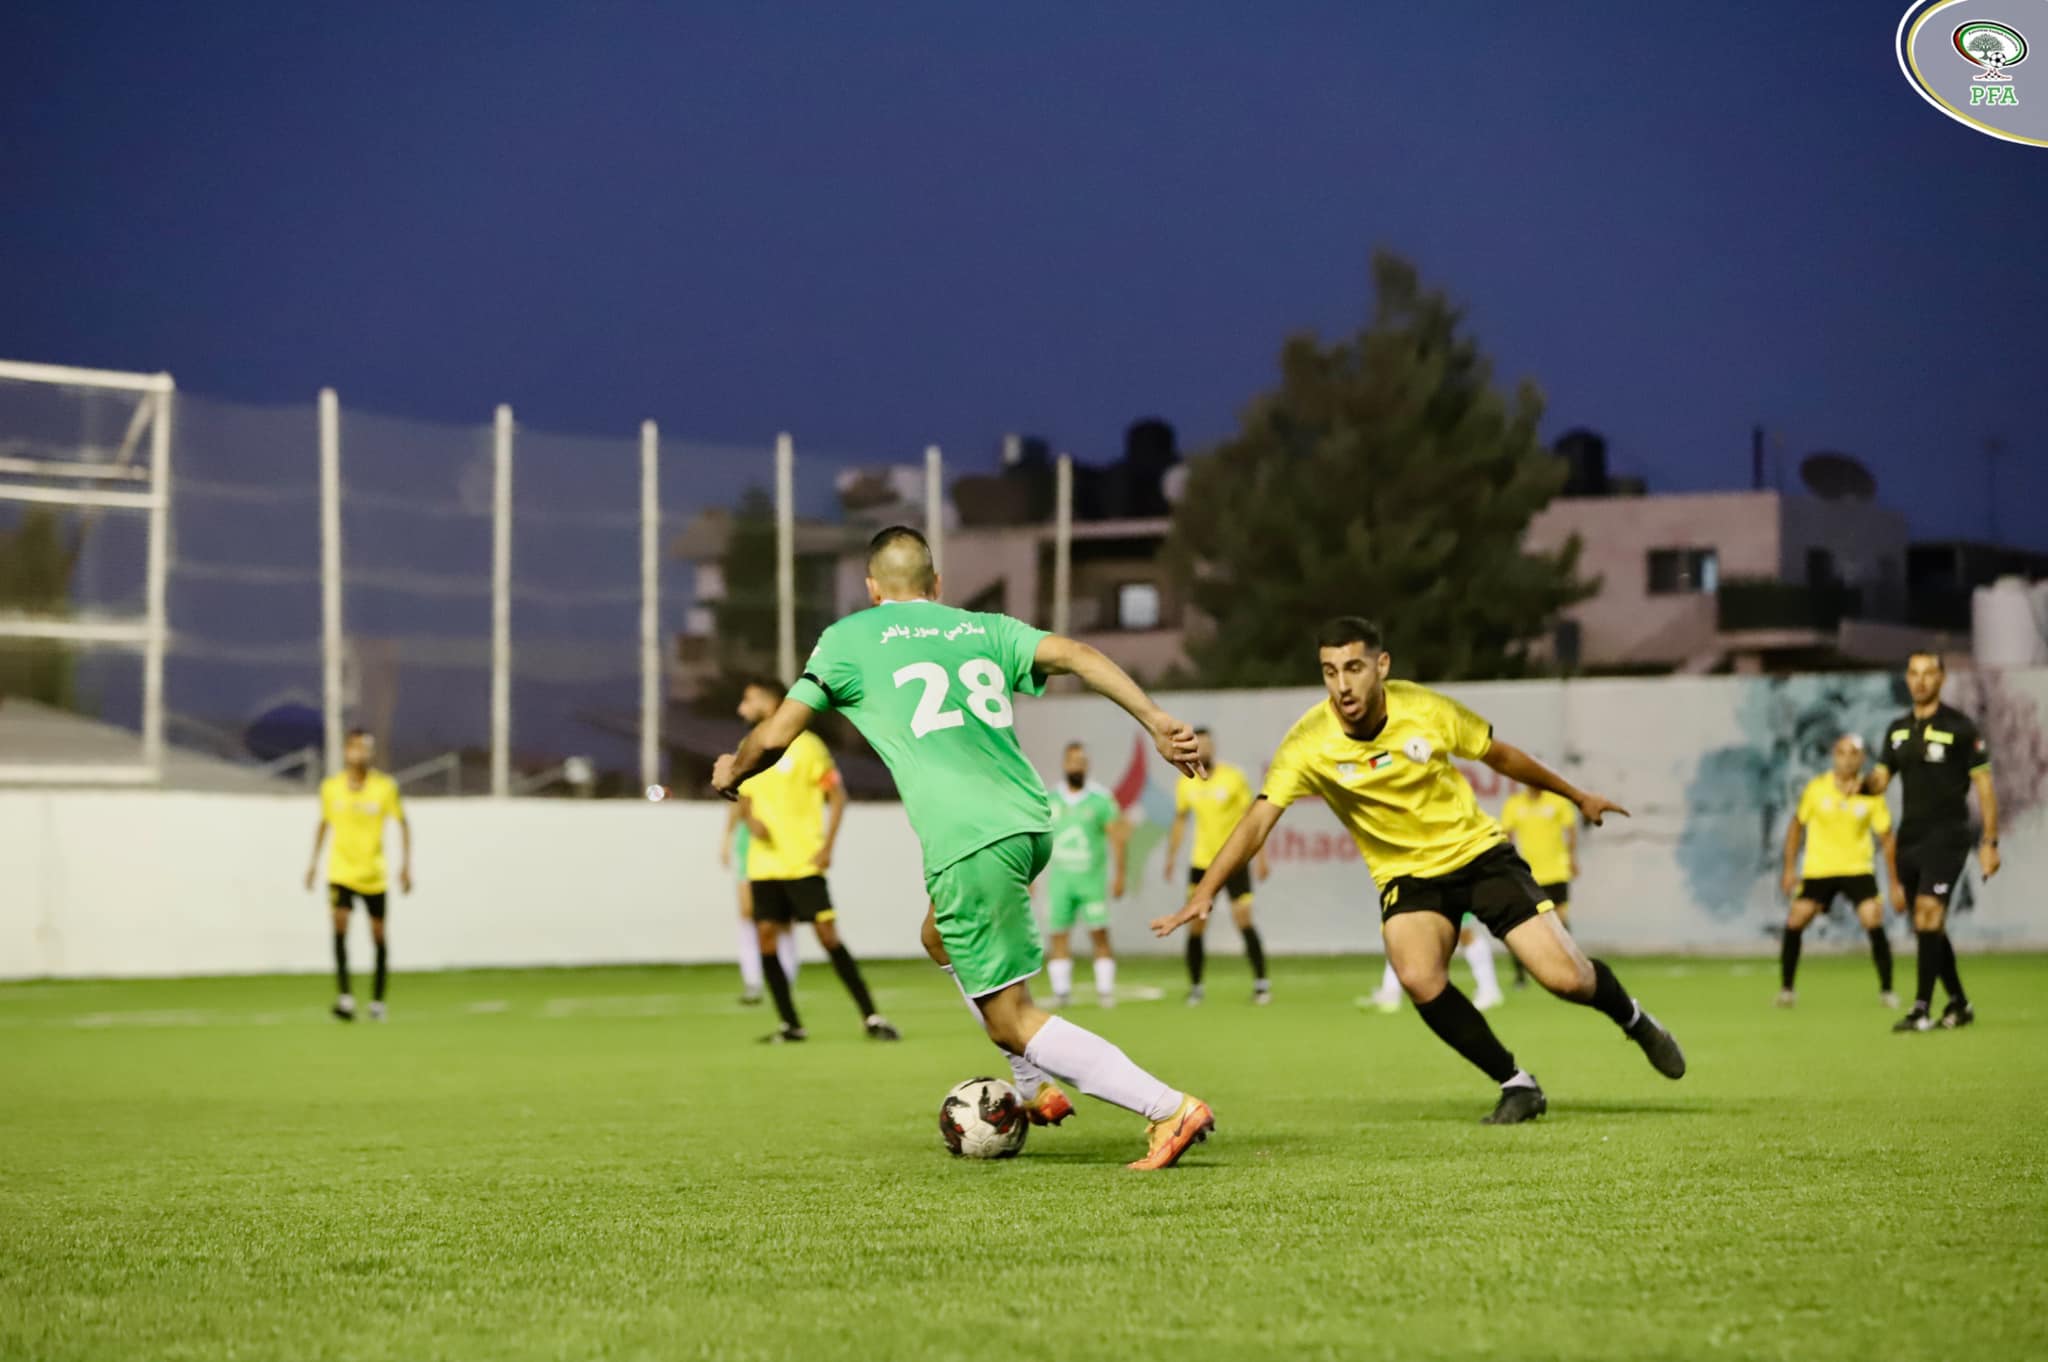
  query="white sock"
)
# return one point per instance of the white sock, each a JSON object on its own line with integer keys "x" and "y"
{"x": 1023, "y": 1073}
{"x": 1522, "y": 1079}
{"x": 1105, "y": 976}
{"x": 1062, "y": 974}
{"x": 1479, "y": 955}
{"x": 1100, "y": 1069}
{"x": 1390, "y": 982}
{"x": 750, "y": 956}
{"x": 785, "y": 951}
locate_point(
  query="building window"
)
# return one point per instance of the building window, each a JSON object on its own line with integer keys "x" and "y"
{"x": 1137, "y": 606}
{"x": 1678, "y": 572}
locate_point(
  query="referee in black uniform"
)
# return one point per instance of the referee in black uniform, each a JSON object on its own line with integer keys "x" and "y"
{"x": 1937, "y": 750}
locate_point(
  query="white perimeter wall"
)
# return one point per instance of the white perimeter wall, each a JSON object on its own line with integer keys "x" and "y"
{"x": 134, "y": 883}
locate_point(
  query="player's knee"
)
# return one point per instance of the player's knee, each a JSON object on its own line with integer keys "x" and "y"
{"x": 764, "y": 933}
{"x": 1421, "y": 981}
{"x": 1241, "y": 914}
{"x": 828, "y": 935}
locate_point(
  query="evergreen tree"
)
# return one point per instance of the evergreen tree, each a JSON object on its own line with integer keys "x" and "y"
{"x": 1385, "y": 476}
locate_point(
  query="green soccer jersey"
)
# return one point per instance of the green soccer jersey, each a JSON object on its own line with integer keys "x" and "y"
{"x": 930, "y": 687}
{"x": 1080, "y": 831}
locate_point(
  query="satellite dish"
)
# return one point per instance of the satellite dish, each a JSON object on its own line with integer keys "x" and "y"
{"x": 1837, "y": 477}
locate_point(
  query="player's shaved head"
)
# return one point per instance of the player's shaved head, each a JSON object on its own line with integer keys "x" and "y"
{"x": 900, "y": 566}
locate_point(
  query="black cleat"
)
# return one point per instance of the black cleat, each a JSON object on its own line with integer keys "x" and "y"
{"x": 1956, "y": 1016}
{"x": 1915, "y": 1020}
{"x": 879, "y": 1029}
{"x": 1662, "y": 1051}
{"x": 1518, "y": 1104}
{"x": 785, "y": 1035}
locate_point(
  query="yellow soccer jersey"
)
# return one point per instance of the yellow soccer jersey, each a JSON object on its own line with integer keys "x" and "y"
{"x": 355, "y": 860}
{"x": 1216, "y": 803}
{"x": 1838, "y": 829}
{"x": 789, "y": 799}
{"x": 1539, "y": 824}
{"x": 1410, "y": 811}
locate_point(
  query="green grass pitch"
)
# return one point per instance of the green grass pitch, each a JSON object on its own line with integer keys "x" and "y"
{"x": 603, "y": 1164}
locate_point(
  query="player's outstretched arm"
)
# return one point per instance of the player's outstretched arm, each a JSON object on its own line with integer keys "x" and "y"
{"x": 1515, "y": 764}
{"x": 1246, "y": 840}
{"x": 1175, "y": 740}
{"x": 761, "y": 747}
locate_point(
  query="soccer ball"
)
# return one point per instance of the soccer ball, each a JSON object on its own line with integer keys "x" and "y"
{"x": 983, "y": 1118}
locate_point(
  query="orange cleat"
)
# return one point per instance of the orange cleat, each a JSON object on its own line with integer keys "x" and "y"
{"x": 1177, "y": 1134}
{"x": 1050, "y": 1107}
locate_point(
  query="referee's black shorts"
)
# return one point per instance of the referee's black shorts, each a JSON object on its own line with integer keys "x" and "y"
{"x": 1495, "y": 887}
{"x": 1932, "y": 869}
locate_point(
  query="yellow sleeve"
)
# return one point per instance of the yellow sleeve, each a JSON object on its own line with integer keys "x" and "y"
{"x": 326, "y": 803}
{"x": 1806, "y": 803}
{"x": 1180, "y": 796}
{"x": 1510, "y": 815}
{"x": 1287, "y": 779}
{"x": 393, "y": 804}
{"x": 818, "y": 769}
{"x": 1470, "y": 736}
{"x": 1880, "y": 816}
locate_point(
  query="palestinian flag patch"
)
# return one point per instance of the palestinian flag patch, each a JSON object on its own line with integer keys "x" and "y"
{"x": 1377, "y": 760}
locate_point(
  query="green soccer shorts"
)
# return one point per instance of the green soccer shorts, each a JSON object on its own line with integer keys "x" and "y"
{"x": 982, "y": 904}
{"x": 1071, "y": 898}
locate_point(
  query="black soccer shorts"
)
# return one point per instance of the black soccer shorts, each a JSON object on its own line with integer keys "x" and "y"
{"x": 785, "y": 901}
{"x": 1932, "y": 870}
{"x": 343, "y": 897}
{"x": 1238, "y": 886}
{"x": 1857, "y": 889}
{"x": 1495, "y": 887}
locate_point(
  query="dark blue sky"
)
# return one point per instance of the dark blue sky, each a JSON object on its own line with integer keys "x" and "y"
{"x": 882, "y": 225}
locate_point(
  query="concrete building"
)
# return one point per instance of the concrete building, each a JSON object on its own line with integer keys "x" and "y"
{"x": 1752, "y": 581}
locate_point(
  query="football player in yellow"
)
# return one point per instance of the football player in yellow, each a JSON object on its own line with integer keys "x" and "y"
{"x": 792, "y": 811}
{"x": 1378, "y": 753}
{"x": 1545, "y": 828}
{"x": 1835, "y": 822}
{"x": 356, "y": 804}
{"x": 1215, "y": 802}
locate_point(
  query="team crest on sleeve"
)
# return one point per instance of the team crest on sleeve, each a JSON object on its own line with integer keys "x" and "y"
{"x": 1418, "y": 749}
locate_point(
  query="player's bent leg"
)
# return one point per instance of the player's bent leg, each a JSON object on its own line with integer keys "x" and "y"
{"x": 344, "y": 1000}
{"x": 1796, "y": 919}
{"x": 1556, "y": 961}
{"x": 376, "y": 908}
{"x": 1059, "y": 969}
{"x": 1254, "y": 948}
{"x": 1105, "y": 965}
{"x": 792, "y": 1028}
{"x": 1177, "y": 1122}
{"x": 1419, "y": 946}
{"x": 1870, "y": 913}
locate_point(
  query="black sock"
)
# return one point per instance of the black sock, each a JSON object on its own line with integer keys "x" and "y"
{"x": 380, "y": 972}
{"x": 1788, "y": 956}
{"x": 1610, "y": 998}
{"x": 1460, "y": 1025}
{"x": 1928, "y": 947}
{"x": 1195, "y": 960}
{"x": 1950, "y": 978}
{"x": 341, "y": 962}
{"x": 778, "y": 988}
{"x": 849, "y": 974}
{"x": 1255, "y": 952}
{"x": 1881, "y": 953}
